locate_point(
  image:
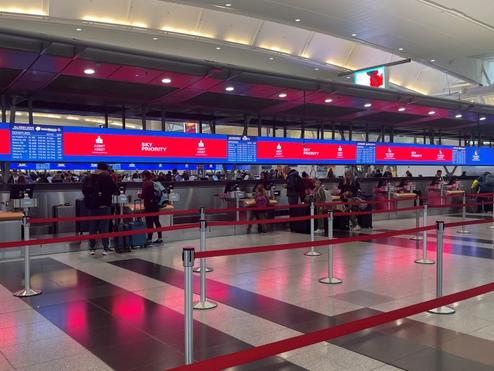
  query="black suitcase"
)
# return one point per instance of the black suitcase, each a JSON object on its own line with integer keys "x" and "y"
{"x": 81, "y": 210}
{"x": 300, "y": 226}
{"x": 122, "y": 243}
{"x": 365, "y": 221}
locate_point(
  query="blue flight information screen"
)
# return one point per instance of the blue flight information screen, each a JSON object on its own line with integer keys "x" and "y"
{"x": 459, "y": 155}
{"x": 479, "y": 156}
{"x": 242, "y": 149}
{"x": 366, "y": 153}
{"x": 36, "y": 142}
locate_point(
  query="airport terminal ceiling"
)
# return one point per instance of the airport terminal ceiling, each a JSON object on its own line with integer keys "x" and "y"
{"x": 180, "y": 59}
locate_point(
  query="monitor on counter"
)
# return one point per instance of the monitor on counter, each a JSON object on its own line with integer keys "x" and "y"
{"x": 17, "y": 191}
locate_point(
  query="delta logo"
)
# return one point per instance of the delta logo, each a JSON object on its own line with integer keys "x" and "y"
{"x": 339, "y": 152}
{"x": 279, "y": 151}
{"x": 201, "y": 149}
{"x": 99, "y": 146}
{"x": 389, "y": 155}
{"x": 440, "y": 155}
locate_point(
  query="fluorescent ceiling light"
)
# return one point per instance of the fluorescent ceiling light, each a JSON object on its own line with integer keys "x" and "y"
{"x": 297, "y": 19}
{"x": 354, "y": 35}
{"x": 483, "y": 118}
{"x": 459, "y": 116}
{"x": 166, "y": 80}
{"x": 89, "y": 71}
{"x": 402, "y": 109}
{"x": 229, "y": 88}
{"x": 328, "y": 100}
{"x": 367, "y": 105}
{"x": 401, "y": 49}
{"x": 432, "y": 113}
{"x": 282, "y": 95}
{"x": 78, "y": 29}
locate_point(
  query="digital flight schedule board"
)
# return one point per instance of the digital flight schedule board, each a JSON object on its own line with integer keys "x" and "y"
{"x": 4, "y": 142}
{"x": 88, "y": 144}
{"x": 305, "y": 151}
{"x": 36, "y": 142}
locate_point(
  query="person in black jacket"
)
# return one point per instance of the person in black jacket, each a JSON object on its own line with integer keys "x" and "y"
{"x": 98, "y": 189}
{"x": 294, "y": 186}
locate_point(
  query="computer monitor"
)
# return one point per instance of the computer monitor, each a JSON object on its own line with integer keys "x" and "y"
{"x": 17, "y": 191}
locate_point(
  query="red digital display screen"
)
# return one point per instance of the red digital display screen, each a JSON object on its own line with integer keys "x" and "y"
{"x": 5, "y": 141}
{"x": 87, "y": 145}
{"x": 306, "y": 152}
{"x": 413, "y": 154}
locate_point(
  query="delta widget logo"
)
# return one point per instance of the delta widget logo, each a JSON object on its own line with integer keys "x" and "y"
{"x": 389, "y": 154}
{"x": 99, "y": 146}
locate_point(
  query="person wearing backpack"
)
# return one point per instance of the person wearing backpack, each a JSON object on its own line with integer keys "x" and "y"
{"x": 294, "y": 186}
{"x": 153, "y": 195}
{"x": 98, "y": 189}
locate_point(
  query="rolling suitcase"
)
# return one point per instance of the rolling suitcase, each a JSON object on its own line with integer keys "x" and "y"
{"x": 81, "y": 210}
{"x": 365, "y": 221}
{"x": 300, "y": 226}
{"x": 61, "y": 211}
{"x": 137, "y": 240}
{"x": 121, "y": 244}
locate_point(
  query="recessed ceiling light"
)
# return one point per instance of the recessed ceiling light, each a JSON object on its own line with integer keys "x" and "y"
{"x": 328, "y": 100}
{"x": 349, "y": 77}
{"x": 401, "y": 49}
{"x": 483, "y": 118}
{"x": 228, "y": 4}
{"x": 432, "y": 113}
{"x": 459, "y": 116}
{"x": 229, "y": 88}
{"x": 78, "y": 29}
{"x": 316, "y": 69}
{"x": 354, "y": 35}
{"x": 166, "y": 80}
{"x": 367, "y": 105}
{"x": 282, "y": 95}
{"x": 89, "y": 71}
{"x": 297, "y": 19}
{"x": 155, "y": 38}
{"x": 433, "y": 60}
{"x": 218, "y": 48}
{"x": 271, "y": 58}
{"x": 401, "y": 109}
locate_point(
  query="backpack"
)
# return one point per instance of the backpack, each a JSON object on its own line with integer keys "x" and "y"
{"x": 159, "y": 194}
{"x": 93, "y": 195}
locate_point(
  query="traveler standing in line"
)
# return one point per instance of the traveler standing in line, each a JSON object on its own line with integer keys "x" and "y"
{"x": 151, "y": 194}
{"x": 349, "y": 189}
{"x": 98, "y": 189}
{"x": 262, "y": 201}
{"x": 294, "y": 186}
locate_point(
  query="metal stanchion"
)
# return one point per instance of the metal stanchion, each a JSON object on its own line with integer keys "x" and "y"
{"x": 439, "y": 271}
{"x": 27, "y": 291}
{"x": 424, "y": 259}
{"x": 417, "y": 236}
{"x": 389, "y": 201}
{"x": 492, "y": 226}
{"x": 203, "y": 303}
{"x": 330, "y": 279}
{"x": 312, "y": 252}
{"x": 237, "y": 206}
{"x": 463, "y": 229}
{"x": 202, "y": 240}
{"x": 188, "y": 262}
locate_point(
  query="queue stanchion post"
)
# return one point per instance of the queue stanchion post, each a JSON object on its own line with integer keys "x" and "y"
{"x": 417, "y": 236}
{"x": 188, "y": 262}
{"x": 439, "y": 271}
{"x": 311, "y": 251}
{"x": 492, "y": 226}
{"x": 27, "y": 290}
{"x": 330, "y": 279}
{"x": 389, "y": 200}
{"x": 424, "y": 259}
{"x": 203, "y": 303}
{"x": 463, "y": 229}
{"x": 202, "y": 240}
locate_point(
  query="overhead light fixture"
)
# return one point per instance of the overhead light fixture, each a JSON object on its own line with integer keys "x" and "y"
{"x": 401, "y": 49}
{"x": 228, "y": 5}
{"x": 401, "y": 109}
{"x": 316, "y": 69}
{"x": 459, "y": 116}
{"x": 483, "y": 118}
{"x": 282, "y": 95}
{"x": 229, "y": 88}
{"x": 89, "y": 71}
{"x": 354, "y": 35}
{"x": 166, "y": 80}
{"x": 367, "y": 105}
{"x": 433, "y": 60}
{"x": 271, "y": 58}
{"x": 155, "y": 38}
{"x": 349, "y": 77}
{"x": 432, "y": 113}
{"x": 218, "y": 48}
{"x": 297, "y": 19}
{"x": 328, "y": 100}
{"x": 78, "y": 29}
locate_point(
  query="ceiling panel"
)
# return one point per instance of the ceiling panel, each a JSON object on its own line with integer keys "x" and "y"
{"x": 283, "y": 38}
{"x": 135, "y": 74}
{"x": 7, "y": 75}
{"x": 231, "y": 102}
{"x": 325, "y": 112}
{"x": 390, "y": 117}
{"x": 101, "y": 70}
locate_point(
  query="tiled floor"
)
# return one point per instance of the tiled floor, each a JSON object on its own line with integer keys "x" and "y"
{"x": 125, "y": 312}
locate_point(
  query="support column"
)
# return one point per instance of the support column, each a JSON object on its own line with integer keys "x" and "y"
{"x": 30, "y": 111}
{"x": 163, "y": 119}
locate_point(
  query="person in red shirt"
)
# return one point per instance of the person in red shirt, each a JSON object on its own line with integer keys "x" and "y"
{"x": 150, "y": 206}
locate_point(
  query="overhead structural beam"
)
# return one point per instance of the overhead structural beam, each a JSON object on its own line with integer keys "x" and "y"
{"x": 390, "y": 64}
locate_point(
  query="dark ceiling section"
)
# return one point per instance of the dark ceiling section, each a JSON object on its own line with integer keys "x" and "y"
{"x": 321, "y": 112}
{"x": 390, "y": 117}
{"x": 107, "y": 89}
{"x": 231, "y": 102}
{"x": 7, "y": 75}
